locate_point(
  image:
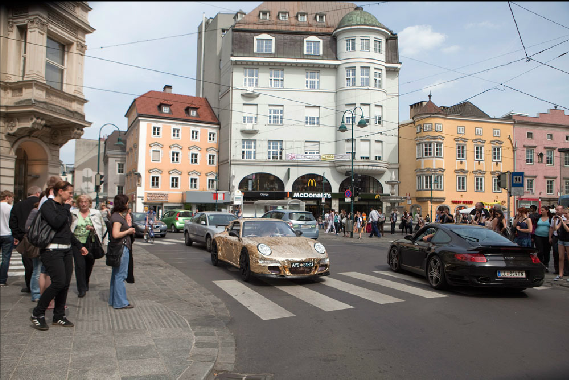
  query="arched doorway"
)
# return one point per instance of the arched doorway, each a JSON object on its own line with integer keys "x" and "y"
{"x": 369, "y": 197}
{"x": 368, "y": 184}
{"x": 30, "y": 168}
{"x": 312, "y": 183}
{"x": 312, "y": 188}
{"x": 261, "y": 182}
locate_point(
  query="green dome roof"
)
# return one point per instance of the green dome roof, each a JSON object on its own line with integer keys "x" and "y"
{"x": 359, "y": 17}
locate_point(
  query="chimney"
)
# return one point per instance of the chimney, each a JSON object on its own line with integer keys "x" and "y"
{"x": 168, "y": 89}
{"x": 414, "y": 108}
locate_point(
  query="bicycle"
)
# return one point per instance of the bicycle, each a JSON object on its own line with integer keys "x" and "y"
{"x": 149, "y": 234}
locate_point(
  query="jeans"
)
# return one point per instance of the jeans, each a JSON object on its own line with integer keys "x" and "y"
{"x": 117, "y": 296}
{"x": 83, "y": 269}
{"x": 59, "y": 264}
{"x": 7, "y": 242}
{"x": 544, "y": 249}
{"x": 393, "y": 227}
{"x": 523, "y": 242}
{"x": 35, "y": 280}
{"x": 374, "y": 230}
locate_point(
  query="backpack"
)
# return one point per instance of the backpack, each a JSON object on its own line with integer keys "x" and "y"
{"x": 40, "y": 233}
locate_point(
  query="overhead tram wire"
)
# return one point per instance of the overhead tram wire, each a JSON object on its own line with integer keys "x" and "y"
{"x": 519, "y": 34}
{"x": 553, "y": 67}
{"x": 543, "y": 17}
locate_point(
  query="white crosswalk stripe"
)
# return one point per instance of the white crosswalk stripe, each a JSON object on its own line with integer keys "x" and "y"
{"x": 308, "y": 295}
{"x": 401, "y": 276}
{"x": 355, "y": 290}
{"x": 394, "y": 285}
{"x": 542, "y": 288}
{"x": 16, "y": 266}
{"x": 256, "y": 303}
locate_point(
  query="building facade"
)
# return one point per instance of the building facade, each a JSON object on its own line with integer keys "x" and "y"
{"x": 542, "y": 145}
{"x": 85, "y": 167}
{"x": 459, "y": 153}
{"x": 41, "y": 88}
{"x": 171, "y": 152}
{"x": 281, "y": 79}
{"x": 114, "y": 165}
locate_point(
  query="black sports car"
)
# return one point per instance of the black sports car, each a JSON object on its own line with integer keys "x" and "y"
{"x": 466, "y": 255}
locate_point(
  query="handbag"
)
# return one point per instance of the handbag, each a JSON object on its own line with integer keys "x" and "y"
{"x": 114, "y": 254}
{"x": 40, "y": 233}
{"x": 94, "y": 246}
{"x": 26, "y": 249}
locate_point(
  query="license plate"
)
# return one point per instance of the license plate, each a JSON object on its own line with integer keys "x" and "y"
{"x": 512, "y": 274}
{"x": 306, "y": 226}
{"x": 301, "y": 265}
{"x": 156, "y": 228}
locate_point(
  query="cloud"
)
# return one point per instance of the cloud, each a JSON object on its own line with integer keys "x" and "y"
{"x": 481, "y": 25}
{"x": 419, "y": 38}
{"x": 451, "y": 49}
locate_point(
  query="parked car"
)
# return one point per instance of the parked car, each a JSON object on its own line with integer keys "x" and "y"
{"x": 269, "y": 247}
{"x": 175, "y": 219}
{"x": 203, "y": 226}
{"x": 138, "y": 218}
{"x": 297, "y": 220}
{"x": 470, "y": 255}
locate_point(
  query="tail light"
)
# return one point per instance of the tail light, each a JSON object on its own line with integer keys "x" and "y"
{"x": 177, "y": 215}
{"x": 534, "y": 258}
{"x": 471, "y": 257}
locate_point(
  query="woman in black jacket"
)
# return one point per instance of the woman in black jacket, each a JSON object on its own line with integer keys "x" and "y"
{"x": 57, "y": 257}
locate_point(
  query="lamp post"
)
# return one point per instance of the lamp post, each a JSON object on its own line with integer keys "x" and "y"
{"x": 323, "y": 179}
{"x": 119, "y": 143}
{"x": 216, "y": 189}
{"x": 362, "y": 123}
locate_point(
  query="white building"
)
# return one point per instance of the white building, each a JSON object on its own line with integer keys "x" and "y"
{"x": 279, "y": 79}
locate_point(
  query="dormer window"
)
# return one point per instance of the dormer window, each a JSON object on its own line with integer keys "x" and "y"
{"x": 302, "y": 16}
{"x": 193, "y": 112}
{"x": 264, "y": 44}
{"x": 283, "y": 16}
{"x": 164, "y": 108}
{"x": 264, "y": 15}
{"x": 320, "y": 17}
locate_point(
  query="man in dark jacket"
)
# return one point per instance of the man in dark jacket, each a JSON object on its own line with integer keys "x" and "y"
{"x": 18, "y": 218}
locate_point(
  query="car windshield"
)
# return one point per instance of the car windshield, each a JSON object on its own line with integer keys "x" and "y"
{"x": 481, "y": 236}
{"x": 220, "y": 220}
{"x": 138, "y": 217}
{"x": 267, "y": 228}
{"x": 301, "y": 216}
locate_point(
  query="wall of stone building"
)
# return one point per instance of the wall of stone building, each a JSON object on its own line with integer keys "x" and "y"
{"x": 86, "y": 166}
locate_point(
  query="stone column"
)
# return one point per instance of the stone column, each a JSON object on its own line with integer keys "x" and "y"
{"x": 36, "y": 50}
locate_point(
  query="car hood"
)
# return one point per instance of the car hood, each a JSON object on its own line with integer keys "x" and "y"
{"x": 287, "y": 247}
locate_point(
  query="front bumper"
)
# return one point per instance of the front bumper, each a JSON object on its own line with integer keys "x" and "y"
{"x": 282, "y": 268}
{"x": 487, "y": 276}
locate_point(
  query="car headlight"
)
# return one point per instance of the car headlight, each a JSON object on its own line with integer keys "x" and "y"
{"x": 324, "y": 261}
{"x": 319, "y": 248}
{"x": 264, "y": 249}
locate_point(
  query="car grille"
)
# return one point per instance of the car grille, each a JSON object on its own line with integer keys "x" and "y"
{"x": 300, "y": 270}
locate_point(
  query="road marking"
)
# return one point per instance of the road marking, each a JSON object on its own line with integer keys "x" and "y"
{"x": 172, "y": 240}
{"x": 401, "y": 276}
{"x": 542, "y": 288}
{"x": 360, "y": 292}
{"x": 394, "y": 285}
{"x": 309, "y": 296}
{"x": 256, "y": 303}
{"x": 162, "y": 242}
{"x": 17, "y": 273}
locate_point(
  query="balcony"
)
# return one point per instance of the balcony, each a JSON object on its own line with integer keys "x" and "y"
{"x": 249, "y": 129}
{"x": 362, "y": 166}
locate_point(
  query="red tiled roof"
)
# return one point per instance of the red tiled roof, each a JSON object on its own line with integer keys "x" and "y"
{"x": 429, "y": 108}
{"x": 148, "y": 104}
{"x": 334, "y": 11}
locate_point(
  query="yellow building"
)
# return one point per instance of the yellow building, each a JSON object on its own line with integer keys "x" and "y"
{"x": 459, "y": 152}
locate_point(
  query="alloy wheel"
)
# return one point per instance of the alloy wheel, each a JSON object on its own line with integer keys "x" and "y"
{"x": 435, "y": 272}
{"x": 394, "y": 263}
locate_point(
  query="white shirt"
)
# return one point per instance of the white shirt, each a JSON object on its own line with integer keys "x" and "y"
{"x": 42, "y": 201}
{"x": 555, "y": 222}
{"x": 5, "y": 209}
{"x": 374, "y": 216}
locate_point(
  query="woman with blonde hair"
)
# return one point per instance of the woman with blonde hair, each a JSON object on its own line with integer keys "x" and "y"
{"x": 85, "y": 220}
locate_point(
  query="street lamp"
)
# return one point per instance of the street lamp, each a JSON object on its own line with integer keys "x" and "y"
{"x": 119, "y": 143}
{"x": 362, "y": 123}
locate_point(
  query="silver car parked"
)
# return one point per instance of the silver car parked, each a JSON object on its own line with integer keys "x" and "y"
{"x": 202, "y": 227}
{"x": 302, "y": 221}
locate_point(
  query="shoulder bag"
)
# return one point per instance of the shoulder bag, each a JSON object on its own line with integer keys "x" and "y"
{"x": 40, "y": 233}
{"x": 114, "y": 253}
{"x": 94, "y": 246}
{"x": 26, "y": 249}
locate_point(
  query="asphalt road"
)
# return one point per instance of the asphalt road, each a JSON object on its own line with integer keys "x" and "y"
{"x": 363, "y": 324}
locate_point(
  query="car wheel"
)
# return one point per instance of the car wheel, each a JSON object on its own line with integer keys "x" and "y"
{"x": 394, "y": 261}
{"x": 208, "y": 243}
{"x": 214, "y": 257}
{"x": 436, "y": 273}
{"x": 173, "y": 229}
{"x": 244, "y": 266}
{"x": 163, "y": 235}
{"x": 187, "y": 239}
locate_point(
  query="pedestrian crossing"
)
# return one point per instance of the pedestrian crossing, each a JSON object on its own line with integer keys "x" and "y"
{"x": 16, "y": 267}
{"x": 160, "y": 241}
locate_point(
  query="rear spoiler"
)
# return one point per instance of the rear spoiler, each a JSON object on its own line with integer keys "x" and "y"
{"x": 503, "y": 248}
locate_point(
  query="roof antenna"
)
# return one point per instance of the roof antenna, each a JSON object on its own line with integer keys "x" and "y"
{"x": 430, "y": 94}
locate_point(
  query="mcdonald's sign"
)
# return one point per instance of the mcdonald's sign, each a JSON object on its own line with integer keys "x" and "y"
{"x": 312, "y": 182}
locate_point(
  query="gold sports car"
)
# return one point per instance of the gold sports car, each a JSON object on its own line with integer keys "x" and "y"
{"x": 269, "y": 247}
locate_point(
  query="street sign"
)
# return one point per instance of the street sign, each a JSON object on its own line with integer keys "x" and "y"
{"x": 348, "y": 194}
{"x": 518, "y": 179}
{"x": 517, "y": 191}
{"x": 348, "y": 200}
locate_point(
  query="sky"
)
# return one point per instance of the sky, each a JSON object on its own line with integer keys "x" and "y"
{"x": 476, "y": 42}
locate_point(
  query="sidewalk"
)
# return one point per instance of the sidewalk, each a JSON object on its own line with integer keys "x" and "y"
{"x": 177, "y": 330}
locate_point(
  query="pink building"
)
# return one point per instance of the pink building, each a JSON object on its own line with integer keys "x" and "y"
{"x": 542, "y": 153}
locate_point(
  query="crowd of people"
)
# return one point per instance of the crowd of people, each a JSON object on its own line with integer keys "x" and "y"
{"x": 75, "y": 230}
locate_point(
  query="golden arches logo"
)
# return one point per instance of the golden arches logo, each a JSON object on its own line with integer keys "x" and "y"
{"x": 312, "y": 182}
{"x": 377, "y": 196}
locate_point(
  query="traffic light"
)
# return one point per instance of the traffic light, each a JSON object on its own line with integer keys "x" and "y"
{"x": 503, "y": 181}
{"x": 102, "y": 180}
{"x": 99, "y": 179}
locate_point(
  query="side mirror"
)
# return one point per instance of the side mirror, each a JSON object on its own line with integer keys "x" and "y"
{"x": 203, "y": 222}
{"x": 408, "y": 237}
{"x": 233, "y": 233}
{"x": 298, "y": 232}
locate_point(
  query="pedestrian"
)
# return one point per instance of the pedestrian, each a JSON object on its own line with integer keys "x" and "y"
{"x": 35, "y": 287}
{"x": 409, "y": 223}
{"x": 393, "y": 220}
{"x": 106, "y": 214}
{"x": 524, "y": 228}
{"x": 541, "y": 236}
{"x": 331, "y": 222}
{"x": 563, "y": 243}
{"x": 18, "y": 218}
{"x": 344, "y": 221}
{"x": 359, "y": 224}
{"x": 403, "y": 224}
{"x": 444, "y": 216}
{"x": 499, "y": 223}
{"x": 6, "y": 238}
{"x": 420, "y": 222}
{"x": 554, "y": 241}
{"x": 337, "y": 222}
{"x": 85, "y": 220}
{"x": 49, "y": 189}
{"x": 374, "y": 219}
{"x": 381, "y": 222}
{"x": 121, "y": 234}
{"x": 57, "y": 257}
{"x": 427, "y": 219}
